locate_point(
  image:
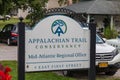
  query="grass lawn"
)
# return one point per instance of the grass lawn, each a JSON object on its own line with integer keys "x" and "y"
{"x": 11, "y": 21}
{"x": 33, "y": 76}
{"x": 45, "y": 75}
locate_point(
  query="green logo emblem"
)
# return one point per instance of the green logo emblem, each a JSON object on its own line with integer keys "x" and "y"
{"x": 59, "y": 27}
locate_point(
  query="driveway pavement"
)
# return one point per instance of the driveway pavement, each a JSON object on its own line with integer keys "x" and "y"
{"x": 8, "y": 52}
{"x": 117, "y": 74}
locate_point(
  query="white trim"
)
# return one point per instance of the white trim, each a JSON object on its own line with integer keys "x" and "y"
{"x": 88, "y": 18}
{"x": 111, "y": 22}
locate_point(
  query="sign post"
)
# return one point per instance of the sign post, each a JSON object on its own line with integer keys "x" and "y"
{"x": 92, "y": 69}
{"x": 21, "y": 51}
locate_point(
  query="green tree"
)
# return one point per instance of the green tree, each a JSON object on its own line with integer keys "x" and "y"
{"x": 5, "y": 6}
{"x": 37, "y": 7}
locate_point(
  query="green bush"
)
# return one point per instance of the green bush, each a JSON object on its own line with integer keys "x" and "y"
{"x": 110, "y": 33}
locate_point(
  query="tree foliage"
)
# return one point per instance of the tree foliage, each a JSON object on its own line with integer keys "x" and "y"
{"x": 37, "y": 7}
{"x": 5, "y": 6}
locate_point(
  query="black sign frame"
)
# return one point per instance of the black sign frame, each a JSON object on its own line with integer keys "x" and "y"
{"x": 21, "y": 51}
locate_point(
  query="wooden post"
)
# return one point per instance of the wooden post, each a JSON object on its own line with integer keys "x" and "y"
{"x": 92, "y": 70}
{"x": 21, "y": 50}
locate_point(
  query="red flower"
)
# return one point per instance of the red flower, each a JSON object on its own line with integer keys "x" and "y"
{"x": 7, "y": 69}
{"x": 4, "y": 73}
{"x": 8, "y": 77}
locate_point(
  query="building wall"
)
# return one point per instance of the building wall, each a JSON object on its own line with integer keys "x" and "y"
{"x": 22, "y": 13}
{"x": 52, "y": 4}
{"x": 55, "y": 4}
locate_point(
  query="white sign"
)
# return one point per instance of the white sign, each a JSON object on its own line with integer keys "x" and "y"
{"x": 57, "y": 42}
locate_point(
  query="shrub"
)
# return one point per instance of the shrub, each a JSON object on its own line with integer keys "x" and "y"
{"x": 110, "y": 33}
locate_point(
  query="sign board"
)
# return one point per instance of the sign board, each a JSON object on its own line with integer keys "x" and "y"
{"x": 56, "y": 43}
